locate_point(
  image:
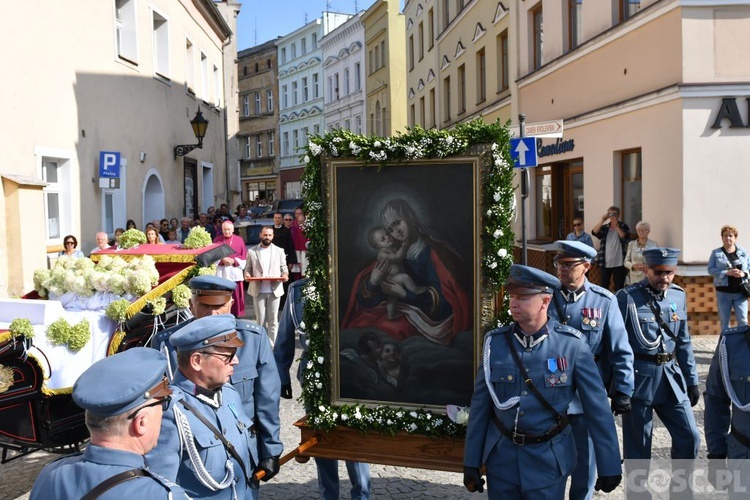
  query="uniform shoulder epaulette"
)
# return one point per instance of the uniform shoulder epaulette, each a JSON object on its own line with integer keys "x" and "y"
{"x": 248, "y": 326}
{"x": 736, "y": 329}
{"x": 499, "y": 330}
{"x": 601, "y": 290}
{"x": 559, "y": 327}
{"x": 632, "y": 288}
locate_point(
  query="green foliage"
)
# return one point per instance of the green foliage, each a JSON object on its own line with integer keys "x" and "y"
{"x": 497, "y": 208}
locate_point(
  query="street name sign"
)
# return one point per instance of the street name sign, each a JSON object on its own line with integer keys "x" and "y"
{"x": 552, "y": 128}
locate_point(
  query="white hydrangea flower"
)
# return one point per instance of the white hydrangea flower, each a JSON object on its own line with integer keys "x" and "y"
{"x": 321, "y": 359}
{"x": 496, "y": 196}
{"x": 306, "y": 159}
{"x": 502, "y": 252}
{"x": 376, "y": 144}
{"x": 314, "y": 148}
{"x": 497, "y": 233}
{"x": 318, "y": 385}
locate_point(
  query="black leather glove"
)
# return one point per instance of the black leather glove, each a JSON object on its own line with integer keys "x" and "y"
{"x": 694, "y": 395}
{"x": 270, "y": 465}
{"x": 286, "y": 391}
{"x": 607, "y": 483}
{"x": 473, "y": 480}
{"x": 717, "y": 467}
{"x": 620, "y": 403}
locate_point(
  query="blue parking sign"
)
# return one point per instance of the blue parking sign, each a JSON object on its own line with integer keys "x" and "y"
{"x": 109, "y": 164}
{"x": 523, "y": 152}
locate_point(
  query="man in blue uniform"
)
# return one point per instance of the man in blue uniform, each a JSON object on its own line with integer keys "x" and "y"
{"x": 124, "y": 396}
{"x": 518, "y": 425}
{"x": 208, "y": 443}
{"x": 255, "y": 377}
{"x": 290, "y": 324}
{"x": 727, "y": 398}
{"x": 592, "y": 310}
{"x": 655, "y": 315}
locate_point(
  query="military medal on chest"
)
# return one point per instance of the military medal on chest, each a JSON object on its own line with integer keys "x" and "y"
{"x": 562, "y": 363}
{"x": 591, "y": 316}
{"x": 673, "y": 307}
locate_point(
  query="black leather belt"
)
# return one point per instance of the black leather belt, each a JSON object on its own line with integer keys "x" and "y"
{"x": 741, "y": 438}
{"x": 522, "y": 439}
{"x": 661, "y": 358}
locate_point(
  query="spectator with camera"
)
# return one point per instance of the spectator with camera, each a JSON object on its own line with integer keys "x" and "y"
{"x": 614, "y": 236}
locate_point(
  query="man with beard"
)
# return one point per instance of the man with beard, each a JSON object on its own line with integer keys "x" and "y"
{"x": 655, "y": 314}
{"x": 592, "y": 310}
{"x": 266, "y": 270}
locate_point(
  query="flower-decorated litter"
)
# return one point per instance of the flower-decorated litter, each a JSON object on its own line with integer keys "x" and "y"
{"x": 197, "y": 238}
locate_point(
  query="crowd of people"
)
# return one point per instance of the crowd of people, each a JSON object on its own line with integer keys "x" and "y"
{"x": 544, "y": 402}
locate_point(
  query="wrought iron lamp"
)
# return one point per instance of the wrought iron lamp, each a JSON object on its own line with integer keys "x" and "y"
{"x": 200, "y": 125}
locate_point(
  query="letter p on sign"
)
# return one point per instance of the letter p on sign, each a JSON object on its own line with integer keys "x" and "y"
{"x": 109, "y": 164}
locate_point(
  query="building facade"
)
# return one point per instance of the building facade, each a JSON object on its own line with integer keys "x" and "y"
{"x": 301, "y": 95}
{"x": 87, "y": 111}
{"x": 386, "y": 68}
{"x": 654, "y": 101}
{"x": 343, "y": 72}
{"x": 258, "y": 119}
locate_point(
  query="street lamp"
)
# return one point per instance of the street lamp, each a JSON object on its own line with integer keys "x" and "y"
{"x": 200, "y": 125}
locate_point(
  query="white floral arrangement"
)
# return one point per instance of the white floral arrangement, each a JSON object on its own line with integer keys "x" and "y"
{"x": 84, "y": 278}
{"x": 458, "y": 414}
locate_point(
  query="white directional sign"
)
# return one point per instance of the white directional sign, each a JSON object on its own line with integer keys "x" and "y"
{"x": 552, "y": 128}
{"x": 523, "y": 152}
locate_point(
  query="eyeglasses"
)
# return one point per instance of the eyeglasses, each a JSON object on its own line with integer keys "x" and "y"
{"x": 288, "y": 220}
{"x": 227, "y": 358}
{"x": 662, "y": 273}
{"x": 164, "y": 402}
{"x": 561, "y": 264}
{"x": 70, "y": 242}
{"x": 577, "y": 225}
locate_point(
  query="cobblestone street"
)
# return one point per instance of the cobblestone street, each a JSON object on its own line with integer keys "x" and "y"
{"x": 299, "y": 481}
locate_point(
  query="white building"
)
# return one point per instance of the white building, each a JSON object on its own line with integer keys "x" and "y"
{"x": 301, "y": 95}
{"x": 116, "y": 85}
{"x": 343, "y": 73}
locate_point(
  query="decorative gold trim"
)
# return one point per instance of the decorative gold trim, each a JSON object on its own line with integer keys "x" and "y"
{"x": 160, "y": 290}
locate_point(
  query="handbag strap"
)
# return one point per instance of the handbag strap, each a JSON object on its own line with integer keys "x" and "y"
{"x": 529, "y": 383}
{"x": 113, "y": 481}
{"x": 218, "y": 435}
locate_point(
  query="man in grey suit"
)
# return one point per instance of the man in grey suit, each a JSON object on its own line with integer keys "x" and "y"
{"x": 266, "y": 270}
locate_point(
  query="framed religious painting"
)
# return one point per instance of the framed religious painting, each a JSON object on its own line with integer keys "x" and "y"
{"x": 406, "y": 246}
{"x": 410, "y": 242}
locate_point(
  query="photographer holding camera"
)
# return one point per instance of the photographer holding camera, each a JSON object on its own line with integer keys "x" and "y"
{"x": 614, "y": 236}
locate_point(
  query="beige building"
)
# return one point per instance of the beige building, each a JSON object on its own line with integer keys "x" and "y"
{"x": 458, "y": 62}
{"x": 653, "y": 97}
{"x": 385, "y": 65}
{"x": 116, "y": 88}
{"x": 259, "y": 118}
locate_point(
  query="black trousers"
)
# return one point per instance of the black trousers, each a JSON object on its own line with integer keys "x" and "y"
{"x": 618, "y": 273}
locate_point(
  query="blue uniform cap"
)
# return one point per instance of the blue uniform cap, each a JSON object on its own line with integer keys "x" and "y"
{"x": 661, "y": 256}
{"x": 118, "y": 383}
{"x": 525, "y": 280}
{"x": 218, "y": 330}
{"x": 212, "y": 290}
{"x": 574, "y": 249}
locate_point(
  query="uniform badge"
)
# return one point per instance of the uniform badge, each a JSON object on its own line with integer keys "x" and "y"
{"x": 673, "y": 307}
{"x": 563, "y": 378}
{"x": 586, "y": 321}
{"x": 593, "y": 323}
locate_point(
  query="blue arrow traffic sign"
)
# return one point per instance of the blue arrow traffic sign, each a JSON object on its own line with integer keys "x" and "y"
{"x": 523, "y": 152}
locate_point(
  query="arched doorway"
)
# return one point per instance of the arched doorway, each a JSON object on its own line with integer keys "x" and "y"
{"x": 153, "y": 197}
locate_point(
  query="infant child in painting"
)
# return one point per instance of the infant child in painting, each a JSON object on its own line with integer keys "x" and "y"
{"x": 392, "y": 252}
